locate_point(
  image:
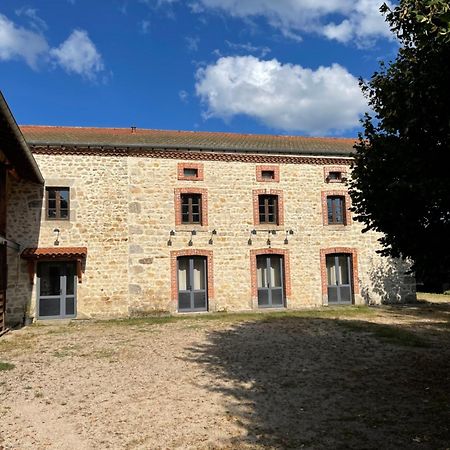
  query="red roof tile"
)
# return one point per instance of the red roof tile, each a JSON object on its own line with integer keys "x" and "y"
{"x": 144, "y": 138}
{"x": 54, "y": 252}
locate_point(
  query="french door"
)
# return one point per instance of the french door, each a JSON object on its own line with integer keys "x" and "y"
{"x": 56, "y": 290}
{"x": 270, "y": 279}
{"x": 192, "y": 283}
{"x": 339, "y": 279}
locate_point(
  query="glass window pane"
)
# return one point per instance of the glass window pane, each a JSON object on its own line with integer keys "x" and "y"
{"x": 346, "y": 295}
{"x": 331, "y": 271}
{"x": 70, "y": 306}
{"x": 199, "y": 273}
{"x": 332, "y": 294}
{"x": 263, "y": 297}
{"x": 343, "y": 269}
{"x": 261, "y": 271}
{"x": 183, "y": 274}
{"x": 52, "y": 213}
{"x": 51, "y": 194}
{"x": 70, "y": 279}
{"x": 190, "y": 172}
{"x": 184, "y": 300}
{"x": 64, "y": 213}
{"x": 200, "y": 300}
{"x": 50, "y": 280}
{"x": 277, "y": 297}
{"x": 64, "y": 195}
{"x": 268, "y": 174}
{"x": 275, "y": 271}
{"x": 49, "y": 307}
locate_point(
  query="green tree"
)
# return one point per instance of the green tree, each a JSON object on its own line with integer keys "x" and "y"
{"x": 401, "y": 178}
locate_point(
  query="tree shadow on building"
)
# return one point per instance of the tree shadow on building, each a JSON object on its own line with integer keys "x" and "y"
{"x": 322, "y": 383}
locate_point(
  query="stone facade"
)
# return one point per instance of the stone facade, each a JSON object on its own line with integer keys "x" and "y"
{"x": 124, "y": 208}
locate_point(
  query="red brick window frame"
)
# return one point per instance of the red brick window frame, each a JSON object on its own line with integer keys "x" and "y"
{"x": 347, "y": 205}
{"x": 194, "y": 166}
{"x": 341, "y": 169}
{"x": 204, "y": 205}
{"x": 174, "y": 276}
{"x": 274, "y": 169}
{"x": 286, "y": 271}
{"x": 323, "y": 267}
{"x": 280, "y": 206}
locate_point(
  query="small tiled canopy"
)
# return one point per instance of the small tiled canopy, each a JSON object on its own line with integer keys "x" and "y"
{"x": 32, "y": 255}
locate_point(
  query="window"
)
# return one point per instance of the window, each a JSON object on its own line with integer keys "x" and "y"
{"x": 190, "y": 171}
{"x": 339, "y": 278}
{"x": 268, "y": 209}
{"x": 268, "y": 174}
{"x": 336, "y": 209}
{"x": 57, "y": 203}
{"x": 335, "y": 174}
{"x": 191, "y": 208}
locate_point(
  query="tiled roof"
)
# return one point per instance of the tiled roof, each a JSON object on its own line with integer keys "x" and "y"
{"x": 54, "y": 253}
{"x": 126, "y": 137}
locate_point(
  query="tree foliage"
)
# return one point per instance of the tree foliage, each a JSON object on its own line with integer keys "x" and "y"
{"x": 401, "y": 177}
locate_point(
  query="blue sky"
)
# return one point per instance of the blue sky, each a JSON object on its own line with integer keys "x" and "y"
{"x": 247, "y": 66}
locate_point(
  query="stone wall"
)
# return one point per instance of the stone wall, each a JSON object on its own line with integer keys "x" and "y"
{"x": 123, "y": 209}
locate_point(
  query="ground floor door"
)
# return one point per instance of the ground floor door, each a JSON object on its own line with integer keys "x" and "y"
{"x": 192, "y": 283}
{"x": 339, "y": 278}
{"x": 270, "y": 278}
{"x": 56, "y": 290}
{"x": 3, "y": 273}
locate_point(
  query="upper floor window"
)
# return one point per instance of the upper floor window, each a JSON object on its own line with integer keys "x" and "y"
{"x": 268, "y": 209}
{"x": 336, "y": 209}
{"x": 57, "y": 203}
{"x": 335, "y": 174}
{"x": 190, "y": 171}
{"x": 268, "y": 173}
{"x": 191, "y": 208}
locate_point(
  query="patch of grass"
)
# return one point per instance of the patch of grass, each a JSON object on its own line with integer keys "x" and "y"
{"x": 388, "y": 333}
{"x": 428, "y": 296}
{"x": 6, "y": 366}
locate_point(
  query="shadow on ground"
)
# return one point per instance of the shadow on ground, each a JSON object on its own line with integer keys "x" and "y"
{"x": 324, "y": 383}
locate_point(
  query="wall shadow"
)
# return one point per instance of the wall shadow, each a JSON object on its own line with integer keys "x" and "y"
{"x": 322, "y": 383}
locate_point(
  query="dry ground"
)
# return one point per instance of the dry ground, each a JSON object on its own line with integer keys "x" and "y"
{"x": 359, "y": 378}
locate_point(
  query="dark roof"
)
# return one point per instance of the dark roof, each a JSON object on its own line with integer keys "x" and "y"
{"x": 143, "y": 138}
{"x": 14, "y": 147}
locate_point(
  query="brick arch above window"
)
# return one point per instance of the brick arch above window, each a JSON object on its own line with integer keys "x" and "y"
{"x": 347, "y": 205}
{"x": 191, "y": 252}
{"x": 287, "y": 269}
{"x": 323, "y": 266}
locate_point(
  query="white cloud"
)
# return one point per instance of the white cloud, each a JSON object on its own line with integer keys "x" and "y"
{"x": 78, "y": 54}
{"x": 183, "y": 96}
{"x": 249, "y": 48}
{"x": 192, "y": 43}
{"x": 282, "y": 96}
{"x": 20, "y": 43}
{"x": 342, "y": 20}
{"x": 144, "y": 26}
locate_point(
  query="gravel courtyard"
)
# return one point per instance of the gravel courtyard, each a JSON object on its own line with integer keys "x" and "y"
{"x": 360, "y": 378}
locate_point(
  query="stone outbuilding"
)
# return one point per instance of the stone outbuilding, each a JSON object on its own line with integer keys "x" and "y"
{"x": 134, "y": 222}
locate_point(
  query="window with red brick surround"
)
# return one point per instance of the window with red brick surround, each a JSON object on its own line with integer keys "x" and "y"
{"x": 280, "y": 206}
{"x": 286, "y": 269}
{"x": 173, "y": 270}
{"x": 323, "y": 266}
{"x": 190, "y": 171}
{"x": 204, "y": 205}
{"x": 327, "y": 170}
{"x": 263, "y": 171}
{"x": 347, "y": 204}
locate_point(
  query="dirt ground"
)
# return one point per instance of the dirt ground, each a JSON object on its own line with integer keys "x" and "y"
{"x": 358, "y": 378}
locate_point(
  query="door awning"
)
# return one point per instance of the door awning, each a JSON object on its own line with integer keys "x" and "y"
{"x": 77, "y": 254}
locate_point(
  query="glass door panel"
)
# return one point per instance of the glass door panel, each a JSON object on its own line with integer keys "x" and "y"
{"x": 192, "y": 283}
{"x": 269, "y": 277}
{"x": 56, "y": 290}
{"x": 339, "y": 276}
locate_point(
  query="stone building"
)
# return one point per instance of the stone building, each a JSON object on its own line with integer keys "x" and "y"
{"x": 17, "y": 168}
{"x": 133, "y": 222}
